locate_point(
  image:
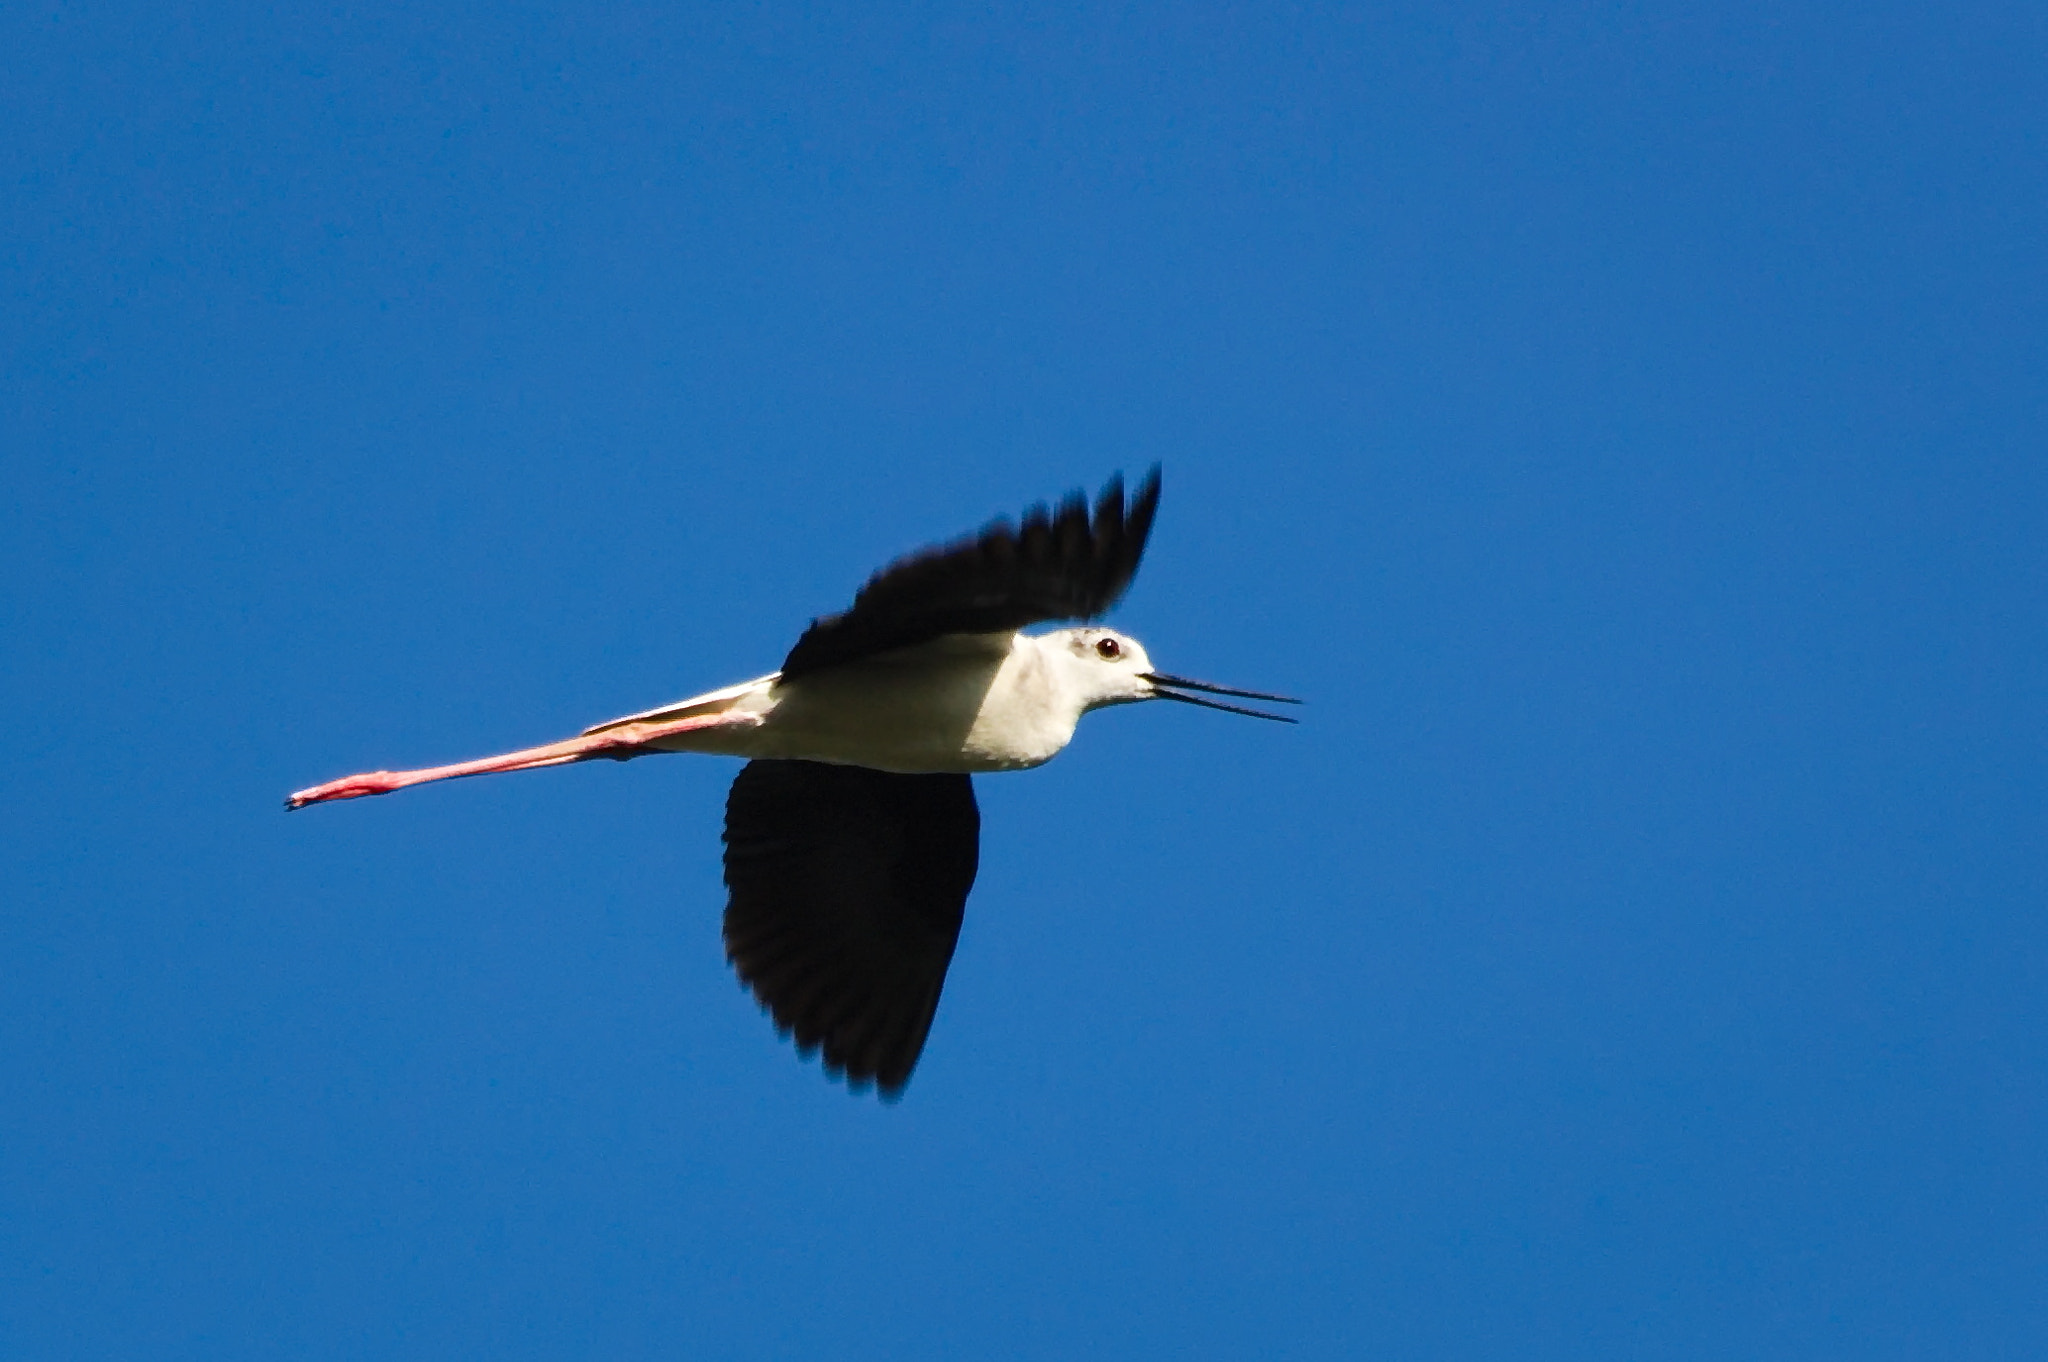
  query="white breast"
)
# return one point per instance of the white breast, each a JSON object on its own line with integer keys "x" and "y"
{"x": 966, "y": 702}
{"x": 963, "y": 703}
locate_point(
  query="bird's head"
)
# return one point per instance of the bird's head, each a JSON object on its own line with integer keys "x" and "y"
{"x": 1110, "y": 668}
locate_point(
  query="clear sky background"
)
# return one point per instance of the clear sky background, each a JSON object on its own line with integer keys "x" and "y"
{"x": 1623, "y": 423}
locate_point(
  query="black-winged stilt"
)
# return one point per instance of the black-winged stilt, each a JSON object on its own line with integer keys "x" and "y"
{"x": 851, "y": 835}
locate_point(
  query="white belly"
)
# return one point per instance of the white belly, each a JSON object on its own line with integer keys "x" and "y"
{"x": 960, "y": 704}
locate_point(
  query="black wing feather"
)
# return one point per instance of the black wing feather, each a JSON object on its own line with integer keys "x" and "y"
{"x": 847, "y": 890}
{"x": 1060, "y": 565}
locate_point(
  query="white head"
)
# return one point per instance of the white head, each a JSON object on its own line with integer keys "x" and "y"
{"x": 1107, "y": 668}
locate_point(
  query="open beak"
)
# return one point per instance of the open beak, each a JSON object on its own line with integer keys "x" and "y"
{"x": 1160, "y": 691}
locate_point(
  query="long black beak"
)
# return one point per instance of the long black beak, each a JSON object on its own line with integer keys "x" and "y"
{"x": 1160, "y": 681}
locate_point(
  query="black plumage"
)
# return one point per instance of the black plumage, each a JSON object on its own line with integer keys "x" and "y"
{"x": 1054, "y": 565}
{"x": 847, "y": 890}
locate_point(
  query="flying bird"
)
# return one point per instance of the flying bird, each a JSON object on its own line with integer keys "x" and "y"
{"x": 851, "y": 835}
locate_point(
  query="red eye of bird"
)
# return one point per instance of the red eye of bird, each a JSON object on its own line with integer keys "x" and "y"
{"x": 1107, "y": 649}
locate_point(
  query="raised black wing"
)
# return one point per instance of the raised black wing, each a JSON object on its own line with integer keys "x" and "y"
{"x": 847, "y": 891}
{"x": 1056, "y": 565}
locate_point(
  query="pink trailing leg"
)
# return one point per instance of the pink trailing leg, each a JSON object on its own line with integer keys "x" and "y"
{"x": 617, "y": 743}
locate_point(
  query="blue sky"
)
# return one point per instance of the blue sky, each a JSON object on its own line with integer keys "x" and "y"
{"x": 1623, "y": 424}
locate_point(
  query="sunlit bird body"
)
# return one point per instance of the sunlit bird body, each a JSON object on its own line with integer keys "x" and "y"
{"x": 852, "y": 836}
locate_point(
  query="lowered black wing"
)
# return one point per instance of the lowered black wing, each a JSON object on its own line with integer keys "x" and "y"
{"x": 848, "y": 887}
